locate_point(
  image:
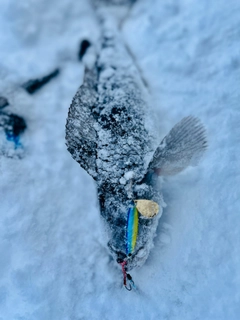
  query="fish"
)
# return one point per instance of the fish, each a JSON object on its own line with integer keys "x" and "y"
{"x": 106, "y": 133}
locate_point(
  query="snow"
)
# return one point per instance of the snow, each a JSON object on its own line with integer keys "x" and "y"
{"x": 54, "y": 260}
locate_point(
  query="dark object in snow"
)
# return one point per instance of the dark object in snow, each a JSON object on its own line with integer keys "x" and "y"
{"x": 107, "y": 136}
{"x": 13, "y": 126}
{"x": 85, "y": 44}
{"x": 35, "y": 84}
{"x": 3, "y": 102}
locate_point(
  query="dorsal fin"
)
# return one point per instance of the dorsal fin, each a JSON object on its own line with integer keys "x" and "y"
{"x": 81, "y": 137}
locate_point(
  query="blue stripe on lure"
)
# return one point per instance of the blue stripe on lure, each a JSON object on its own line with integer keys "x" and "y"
{"x": 132, "y": 229}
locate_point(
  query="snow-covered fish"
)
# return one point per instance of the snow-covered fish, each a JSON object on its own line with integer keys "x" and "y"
{"x": 107, "y": 136}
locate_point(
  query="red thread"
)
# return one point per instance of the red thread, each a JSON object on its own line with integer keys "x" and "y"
{"x": 123, "y": 264}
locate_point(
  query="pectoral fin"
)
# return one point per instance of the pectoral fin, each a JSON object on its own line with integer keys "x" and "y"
{"x": 182, "y": 147}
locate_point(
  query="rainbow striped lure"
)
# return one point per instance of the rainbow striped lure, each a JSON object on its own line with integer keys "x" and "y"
{"x": 132, "y": 229}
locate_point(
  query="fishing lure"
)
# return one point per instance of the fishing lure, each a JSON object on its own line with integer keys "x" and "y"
{"x": 132, "y": 230}
{"x": 146, "y": 208}
{"x": 106, "y": 134}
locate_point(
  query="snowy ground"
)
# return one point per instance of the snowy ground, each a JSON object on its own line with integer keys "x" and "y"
{"x": 53, "y": 259}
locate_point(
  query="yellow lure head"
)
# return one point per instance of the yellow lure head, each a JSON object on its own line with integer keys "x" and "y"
{"x": 147, "y": 208}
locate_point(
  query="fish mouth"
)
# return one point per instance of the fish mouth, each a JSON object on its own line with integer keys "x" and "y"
{"x": 132, "y": 259}
{"x": 119, "y": 255}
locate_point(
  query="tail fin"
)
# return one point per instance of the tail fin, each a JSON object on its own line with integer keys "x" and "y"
{"x": 182, "y": 147}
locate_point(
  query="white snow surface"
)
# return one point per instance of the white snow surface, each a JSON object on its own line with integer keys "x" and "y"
{"x": 54, "y": 263}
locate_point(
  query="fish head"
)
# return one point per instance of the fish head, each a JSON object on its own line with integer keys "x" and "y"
{"x": 129, "y": 237}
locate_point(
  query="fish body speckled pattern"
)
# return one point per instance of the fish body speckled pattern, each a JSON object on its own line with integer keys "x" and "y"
{"x": 106, "y": 134}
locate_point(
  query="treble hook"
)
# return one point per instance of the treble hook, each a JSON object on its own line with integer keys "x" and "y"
{"x": 126, "y": 276}
{"x": 131, "y": 285}
{"x": 128, "y": 288}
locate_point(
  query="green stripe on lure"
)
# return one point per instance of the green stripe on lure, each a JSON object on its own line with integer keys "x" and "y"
{"x": 132, "y": 229}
